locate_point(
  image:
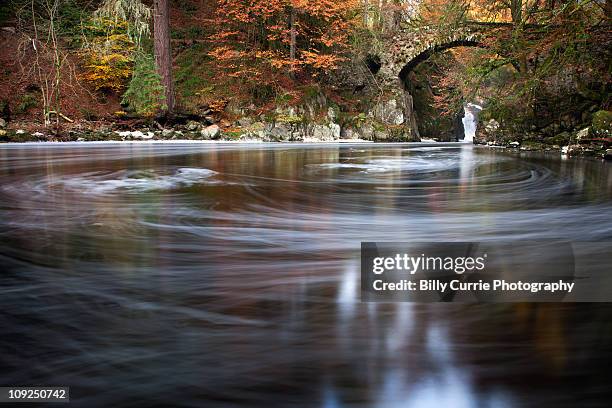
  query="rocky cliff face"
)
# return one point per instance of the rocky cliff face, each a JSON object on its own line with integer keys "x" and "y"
{"x": 385, "y": 121}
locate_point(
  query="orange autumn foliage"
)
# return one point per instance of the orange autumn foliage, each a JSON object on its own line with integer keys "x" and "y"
{"x": 253, "y": 41}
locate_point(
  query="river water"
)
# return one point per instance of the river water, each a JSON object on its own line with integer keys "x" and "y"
{"x": 213, "y": 275}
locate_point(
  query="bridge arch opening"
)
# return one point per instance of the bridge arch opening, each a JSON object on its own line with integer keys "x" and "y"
{"x": 425, "y": 55}
{"x": 419, "y": 85}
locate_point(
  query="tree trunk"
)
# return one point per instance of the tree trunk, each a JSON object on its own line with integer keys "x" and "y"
{"x": 163, "y": 55}
{"x": 516, "y": 11}
{"x": 292, "y": 44}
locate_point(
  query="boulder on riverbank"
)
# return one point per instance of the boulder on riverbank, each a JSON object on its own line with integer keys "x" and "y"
{"x": 211, "y": 132}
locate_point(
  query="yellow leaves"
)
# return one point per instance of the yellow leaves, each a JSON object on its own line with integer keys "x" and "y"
{"x": 108, "y": 77}
{"x": 280, "y": 63}
{"x": 264, "y": 54}
{"x": 110, "y": 71}
{"x": 218, "y": 106}
{"x": 107, "y": 55}
{"x": 113, "y": 59}
{"x": 207, "y": 90}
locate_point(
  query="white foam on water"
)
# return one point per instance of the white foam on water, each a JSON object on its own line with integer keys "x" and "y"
{"x": 137, "y": 181}
{"x": 425, "y": 163}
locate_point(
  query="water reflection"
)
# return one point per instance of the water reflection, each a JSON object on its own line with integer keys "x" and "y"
{"x": 218, "y": 275}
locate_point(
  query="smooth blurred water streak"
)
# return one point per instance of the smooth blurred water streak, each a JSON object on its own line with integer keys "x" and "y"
{"x": 227, "y": 275}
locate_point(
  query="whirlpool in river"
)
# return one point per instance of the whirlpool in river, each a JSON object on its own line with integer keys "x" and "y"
{"x": 228, "y": 275}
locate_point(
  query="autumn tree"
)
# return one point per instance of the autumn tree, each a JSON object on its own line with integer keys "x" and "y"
{"x": 106, "y": 54}
{"x": 259, "y": 41}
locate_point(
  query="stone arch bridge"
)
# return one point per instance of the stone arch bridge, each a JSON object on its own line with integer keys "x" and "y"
{"x": 406, "y": 49}
{"x": 403, "y": 51}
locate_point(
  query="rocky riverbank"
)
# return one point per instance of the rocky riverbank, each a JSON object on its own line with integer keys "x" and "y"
{"x": 594, "y": 139}
{"x": 193, "y": 131}
{"x": 382, "y": 124}
{"x": 316, "y": 121}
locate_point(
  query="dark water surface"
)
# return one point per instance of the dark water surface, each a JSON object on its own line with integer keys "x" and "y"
{"x": 227, "y": 275}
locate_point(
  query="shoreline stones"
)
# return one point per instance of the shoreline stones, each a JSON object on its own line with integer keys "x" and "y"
{"x": 211, "y": 132}
{"x": 583, "y": 134}
{"x": 136, "y": 135}
{"x": 193, "y": 126}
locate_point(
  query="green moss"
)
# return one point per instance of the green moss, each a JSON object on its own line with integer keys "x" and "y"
{"x": 360, "y": 119}
{"x": 311, "y": 92}
{"x": 192, "y": 85}
{"x": 397, "y": 133}
{"x": 379, "y": 127}
{"x": 602, "y": 123}
{"x": 562, "y": 139}
{"x": 532, "y": 145}
{"x": 289, "y": 119}
{"x": 14, "y": 137}
{"x": 283, "y": 98}
{"x": 269, "y": 117}
{"x": 232, "y": 134}
{"x": 350, "y": 119}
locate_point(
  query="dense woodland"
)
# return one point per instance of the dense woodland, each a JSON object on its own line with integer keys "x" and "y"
{"x": 82, "y": 63}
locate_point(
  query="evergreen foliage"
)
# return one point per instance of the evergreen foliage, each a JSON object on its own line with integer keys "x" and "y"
{"x": 145, "y": 93}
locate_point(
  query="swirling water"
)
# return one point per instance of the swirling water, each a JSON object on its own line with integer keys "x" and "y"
{"x": 227, "y": 275}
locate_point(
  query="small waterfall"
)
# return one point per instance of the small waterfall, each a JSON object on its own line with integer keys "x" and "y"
{"x": 469, "y": 121}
